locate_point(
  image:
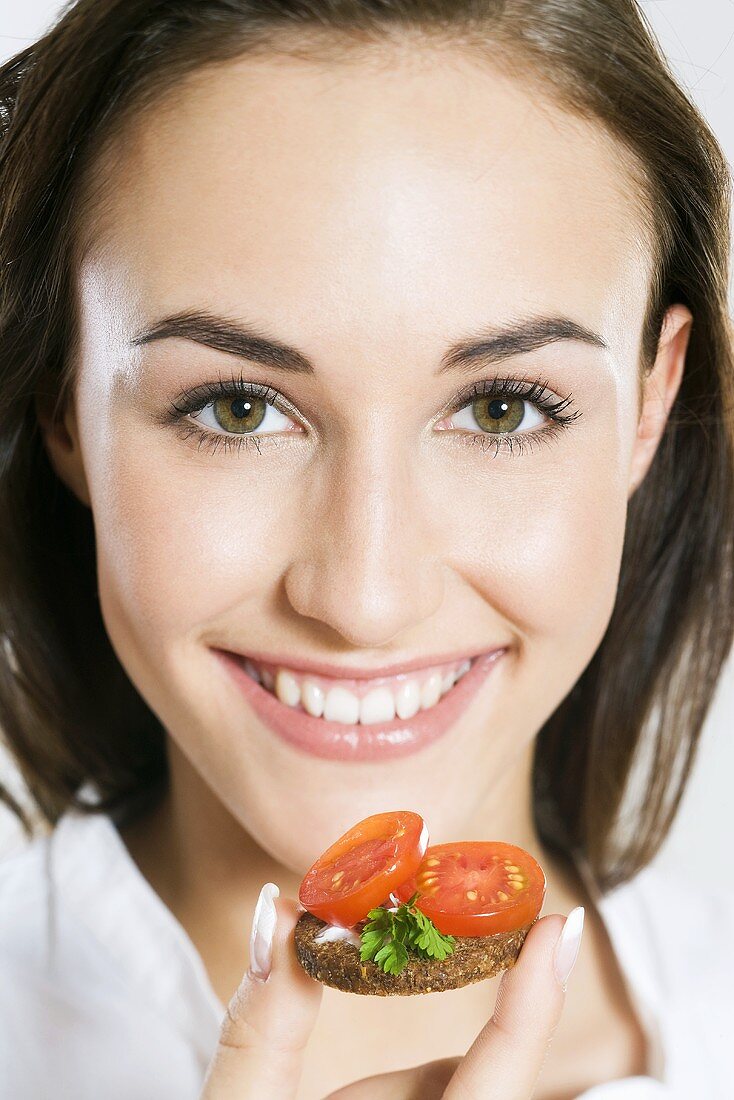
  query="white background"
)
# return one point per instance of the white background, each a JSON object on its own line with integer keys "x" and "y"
{"x": 699, "y": 41}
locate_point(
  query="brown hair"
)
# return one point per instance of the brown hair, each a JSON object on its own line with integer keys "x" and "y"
{"x": 68, "y": 711}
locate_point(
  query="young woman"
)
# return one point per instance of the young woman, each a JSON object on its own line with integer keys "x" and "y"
{"x": 344, "y": 343}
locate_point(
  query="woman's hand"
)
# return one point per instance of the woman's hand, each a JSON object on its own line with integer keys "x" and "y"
{"x": 268, "y": 1023}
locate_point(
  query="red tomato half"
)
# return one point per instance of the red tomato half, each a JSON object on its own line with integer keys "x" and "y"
{"x": 476, "y": 887}
{"x": 358, "y": 872}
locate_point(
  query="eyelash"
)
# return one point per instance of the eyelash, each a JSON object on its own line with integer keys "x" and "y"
{"x": 535, "y": 392}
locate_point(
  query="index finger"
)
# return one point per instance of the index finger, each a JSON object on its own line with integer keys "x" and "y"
{"x": 505, "y": 1059}
{"x": 270, "y": 1018}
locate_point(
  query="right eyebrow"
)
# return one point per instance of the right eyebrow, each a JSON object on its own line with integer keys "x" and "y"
{"x": 489, "y": 346}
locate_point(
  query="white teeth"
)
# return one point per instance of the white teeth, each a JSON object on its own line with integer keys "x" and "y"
{"x": 338, "y": 704}
{"x": 408, "y": 699}
{"x": 341, "y": 706}
{"x": 377, "y": 706}
{"x": 287, "y": 689}
{"x": 313, "y": 698}
{"x": 431, "y": 690}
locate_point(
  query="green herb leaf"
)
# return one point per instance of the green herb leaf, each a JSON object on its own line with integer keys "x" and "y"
{"x": 392, "y": 957}
{"x": 387, "y": 937}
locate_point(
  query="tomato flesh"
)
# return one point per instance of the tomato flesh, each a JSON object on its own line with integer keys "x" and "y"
{"x": 358, "y": 871}
{"x": 476, "y": 888}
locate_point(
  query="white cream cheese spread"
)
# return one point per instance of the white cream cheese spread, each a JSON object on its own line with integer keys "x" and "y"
{"x": 332, "y": 932}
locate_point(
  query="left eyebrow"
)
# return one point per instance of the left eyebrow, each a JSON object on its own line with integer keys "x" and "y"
{"x": 496, "y": 344}
{"x": 490, "y": 346}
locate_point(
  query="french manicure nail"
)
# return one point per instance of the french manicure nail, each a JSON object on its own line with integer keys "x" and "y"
{"x": 263, "y": 930}
{"x": 567, "y": 945}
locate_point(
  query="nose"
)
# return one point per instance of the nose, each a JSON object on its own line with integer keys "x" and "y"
{"x": 368, "y": 567}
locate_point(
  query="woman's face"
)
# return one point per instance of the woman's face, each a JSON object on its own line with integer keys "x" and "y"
{"x": 370, "y": 217}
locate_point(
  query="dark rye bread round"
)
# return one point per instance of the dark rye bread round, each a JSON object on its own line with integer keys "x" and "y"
{"x": 338, "y": 964}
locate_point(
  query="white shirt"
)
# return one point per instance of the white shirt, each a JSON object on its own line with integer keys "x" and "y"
{"x": 104, "y": 995}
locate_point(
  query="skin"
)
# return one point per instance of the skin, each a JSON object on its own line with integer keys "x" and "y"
{"x": 370, "y": 216}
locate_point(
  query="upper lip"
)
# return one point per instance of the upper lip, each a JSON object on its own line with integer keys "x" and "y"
{"x": 325, "y": 668}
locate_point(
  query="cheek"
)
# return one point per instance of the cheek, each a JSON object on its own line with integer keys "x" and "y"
{"x": 545, "y": 547}
{"x": 182, "y": 545}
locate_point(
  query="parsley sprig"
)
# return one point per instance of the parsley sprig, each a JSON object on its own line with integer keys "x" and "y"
{"x": 387, "y": 937}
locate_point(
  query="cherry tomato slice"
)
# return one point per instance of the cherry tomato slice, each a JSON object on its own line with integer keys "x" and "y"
{"x": 476, "y": 887}
{"x": 360, "y": 869}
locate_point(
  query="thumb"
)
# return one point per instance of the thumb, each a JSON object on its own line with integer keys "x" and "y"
{"x": 506, "y": 1058}
{"x": 271, "y": 1016}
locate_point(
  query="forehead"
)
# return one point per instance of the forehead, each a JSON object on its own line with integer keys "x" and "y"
{"x": 415, "y": 186}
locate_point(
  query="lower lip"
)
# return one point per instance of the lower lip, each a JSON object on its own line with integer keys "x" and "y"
{"x": 380, "y": 741}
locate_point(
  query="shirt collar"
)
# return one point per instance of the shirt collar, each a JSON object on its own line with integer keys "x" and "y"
{"x": 97, "y": 878}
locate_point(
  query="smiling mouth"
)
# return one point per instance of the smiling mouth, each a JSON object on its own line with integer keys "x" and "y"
{"x": 361, "y": 720}
{"x": 363, "y": 702}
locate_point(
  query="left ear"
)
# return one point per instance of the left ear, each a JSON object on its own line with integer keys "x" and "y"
{"x": 660, "y": 389}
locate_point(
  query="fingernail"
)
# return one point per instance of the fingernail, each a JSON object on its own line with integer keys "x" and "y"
{"x": 567, "y": 945}
{"x": 263, "y": 930}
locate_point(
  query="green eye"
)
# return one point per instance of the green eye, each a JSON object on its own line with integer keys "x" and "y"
{"x": 498, "y": 414}
{"x": 241, "y": 414}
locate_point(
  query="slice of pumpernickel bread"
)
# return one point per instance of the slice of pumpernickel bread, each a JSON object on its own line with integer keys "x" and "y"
{"x": 337, "y": 963}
